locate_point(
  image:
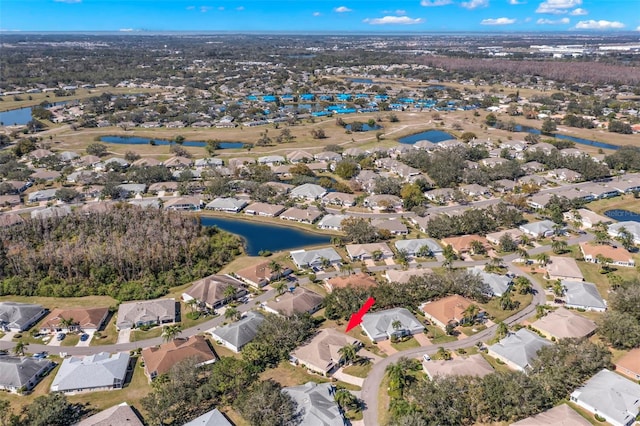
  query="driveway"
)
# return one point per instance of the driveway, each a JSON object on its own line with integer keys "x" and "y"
{"x": 8, "y": 336}
{"x": 124, "y": 335}
{"x": 389, "y": 261}
{"x": 422, "y": 339}
{"x": 347, "y": 378}
{"x": 88, "y": 341}
{"x": 385, "y": 346}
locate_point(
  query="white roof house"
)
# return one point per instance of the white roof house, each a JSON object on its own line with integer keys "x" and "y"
{"x": 101, "y": 371}
{"x": 232, "y": 205}
{"x": 332, "y": 221}
{"x": 611, "y": 396}
{"x": 632, "y": 227}
{"x": 16, "y": 316}
{"x": 308, "y": 191}
{"x": 498, "y": 284}
{"x": 518, "y": 350}
{"x": 311, "y": 258}
{"x": 210, "y": 418}
{"x": 583, "y": 295}
{"x": 379, "y": 326}
{"x": 316, "y": 405}
{"x": 413, "y": 247}
{"x": 544, "y": 228}
{"x": 237, "y": 334}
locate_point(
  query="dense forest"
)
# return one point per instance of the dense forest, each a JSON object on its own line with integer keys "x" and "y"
{"x": 125, "y": 252}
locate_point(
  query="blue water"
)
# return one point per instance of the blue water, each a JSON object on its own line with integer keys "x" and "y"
{"x": 622, "y": 215}
{"x": 365, "y": 127}
{"x": 430, "y": 135}
{"x": 20, "y": 116}
{"x": 569, "y": 138}
{"x": 361, "y": 80}
{"x": 265, "y": 236}
{"x": 134, "y": 140}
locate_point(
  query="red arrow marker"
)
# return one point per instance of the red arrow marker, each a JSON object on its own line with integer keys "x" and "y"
{"x": 356, "y": 318}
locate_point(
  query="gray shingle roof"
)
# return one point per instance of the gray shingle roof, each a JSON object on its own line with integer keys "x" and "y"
{"x": 129, "y": 314}
{"x": 498, "y": 284}
{"x": 583, "y": 295}
{"x": 304, "y": 258}
{"x": 16, "y": 372}
{"x": 95, "y": 371}
{"x": 316, "y": 404}
{"x": 414, "y": 246}
{"x": 211, "y": 418}
{"x": 379, "y": 325}
{"x": 520, "y": 348}
{"x": 15, "y": 315}
{"x": 241, "y": 332}
{"x": 118, "y": 415}
{"x": 308, "y": 190}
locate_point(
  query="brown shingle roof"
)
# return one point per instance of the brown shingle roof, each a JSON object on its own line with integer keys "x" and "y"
{"x": 630, "y": 362}
{"x": 563, "y": 323}
{"x": 617, "y": 254}
{"x": 160, "y": 359}
{"x": 322, "y": 349}
{"x": 299, "y": 301}
{"x": 256, "y": 273}
{"x": 448, "y": 309}
{"x": 83, "y": 317}
{"x": 355, "y": 280}
{"x": 210, "y": 290}
{"x": 463, "y": 243}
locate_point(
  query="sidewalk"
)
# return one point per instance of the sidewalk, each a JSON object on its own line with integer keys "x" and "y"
{"x": 347, "y": 378}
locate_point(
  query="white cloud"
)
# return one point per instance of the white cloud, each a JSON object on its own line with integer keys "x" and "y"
{"x": 342, "y": 9}
{"x": 638, "y": 29}
{"x": 474, "y": 4}
{"x": 220, "y": 8}
{"x": 190, "y": 7}
{"x": 552, "y": 22}
{"x": 240, "y": 8}
{"x": 394, "y": 20}
{"x": 126, "y": 30}
{"x": 498, "y": 21}
{"x": 514, "y": 2}
{"x": 317, "y": 14}
{"x": 401, "y": 12}
{"x": 205, "y": 9}
{"x": 557, "y": 7}
{"x": 599, "y": 25}
{"x": 430, "y": 3}
{"x": 527, "y": 19}
{"x": 578, "y": 12}
{"x": 68, "y": 1}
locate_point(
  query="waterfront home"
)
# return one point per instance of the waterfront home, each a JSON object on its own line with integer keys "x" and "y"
{"x": 583, "y": 295}
{"x": 559, "y": 415}
{"x": 630, "y": 226}
{"x": 120, "y": 415}
{"x": 629, "y": 364}
{"x": 618, "y": 256}
{"x": 147, "y": 162}
{"x": 271, "y": 160}
{"x": 597, "y": 191}
{"x": 209, "y": 162}
{"x": 19, "y": 317}
{"x": 146, "y": 313}
{"x": 360, "y": 280}
{"x": 264, "y": 209}
{"x": 375, "y": 251}
{"x": 563, "y": 323}
{"x": 213, "y": 291}
{"x": 315, "y": 404}
{"x": 158, "y": 360}
{"x": 75, "y": 319}
{"x": 586, "y": 218}
{"x": 321, "y": 354}
{"x": 393, "y": 226}
{"x": 564, "y": 268}
{"x": 21, "y": 374}
{"x": 611, "y": 397}
{"x": 541, "y": 229}
{"x": 307, "y": 191}
{"x": 298, "y": 300}
{"x": 449, "y": 310}
{"x": 183, "y": 204}
{"x": 236, "y": 335}
{"x": 518, "y": 350}
{"x": 332, "y": 222}
{"x": 627, "y": 183}
{"x": 178, "y": 162}
{"x": 295, "y": 214}
{"x": 472, "y": 366}
{"x": 260, "y": 274}
{"x": 210, "y": 418}
{"x": 316, "y": 258}
{"x": 101, "y": 371}
{"x": 390, "y": 323}
{"x": 419, "y": 246}
{"x": 229, "y": 205}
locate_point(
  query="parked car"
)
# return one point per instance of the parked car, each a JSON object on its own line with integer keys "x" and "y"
{"x": 426, "y": 357}
{"x": 84, "y": 337}
{"x": 40, "y": 355}
{"x": 61, "y": 336}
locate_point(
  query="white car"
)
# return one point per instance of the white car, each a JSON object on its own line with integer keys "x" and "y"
{"x": 426, "y": 357}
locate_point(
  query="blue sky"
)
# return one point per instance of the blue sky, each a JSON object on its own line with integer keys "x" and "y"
{"x": 320, "y": 15}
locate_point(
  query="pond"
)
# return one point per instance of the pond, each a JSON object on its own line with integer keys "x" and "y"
{"x": 361, "y": 80}
{"x": 134, "y": 140}
{"x": 365, "y": 127}
{"x": 19, "y": 116}
{"x": 430, "y": 135}
{"x": 577, "y": 140}
{"x": 622, "y": 215}
{"x": 266, "y": 236}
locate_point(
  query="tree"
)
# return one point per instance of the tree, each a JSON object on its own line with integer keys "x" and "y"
{"x": 264, "y": 404}
{"x": 443, "y": 354}
{"x": 280, "y": 287}
{"x": 397, "y": 376}
{"x": 20, "y": 348}
{"x": 507, "y": 243}
{"x": 192, "y": 304}
{"x": 346, "y": 168}
{"x": 97, "y": 149}
{"x": 558, "y": 288}
{"x": 559, "y": 246}
{"x": 523, "y": 285}
{"x": 359, "y": 230}
{"x": 604, "y": 263}
{"x": 625, "y": 238}
{"x": 543, "y": 259}
{"x": 548, "y": 127}
{"x": 620, "y": 329}
{"x": 230, "y": 293}
{"x": 412, "y": 196}
{"x": 171, "y": 332}
{"x": 506, "y": 302}
{"x": 232, "y": 313}
{"x": 66, "y": 195}
{"x": 52, "y": 410}
{"x": 491, "y": 119}
{"x": 345, "y": 399}
{"x": 467, "y": 136}
{"x": 470, "y": 313}
{"x": 67, "y": 323}
{"x": 276, "y": 268}
{"x": 301, "y": 169}
{"x": 477, "y": 247}
{"x": 502, "y": 330}
{"x": 348, "y": 353}
{"x": 318, "y": 134}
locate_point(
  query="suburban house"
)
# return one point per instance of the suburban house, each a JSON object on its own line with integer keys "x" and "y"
{"x": 542, "y": 229}
{"x": 101, "y": 371}
{"x": 146, "y": 313}
{"x": 210, "y": 418}
{"x": 378, "y": 251}
{"x": 445, "y": 311}
{"x": 629, "y": 365}
{"x": 237, "y": 334}
{"x": 586, "y": 218}
{"x": 583, "y": 295}
{"x": 82, "y": 319}
{"x": 474, "y": 366}
{"x": 21, "y": 374}
{"x": 393, "y": 226}
{"x": 120, "y": 415}
{"x": 299, "y": 156}
{"x": 260, "y": 274}
{"x": 514, "y": 233}
{"x": 158, "y": 360}
{"x": 297, "y": 301}
{"x": 360, "y": 280}
{"x": 322, "y": 353}
{"x": 8, "y": 220}
{"x": 462, "y": 244}
{"x": 264, "y": 209}
{"x": 295, "y": 214}
{"x": 315, "y": 258}
{"x": 383, "y": 202}
{"x": 558, "y": 415}
{"x": 42, "y": 195}
{"x": 229, "y": 205}
{"x": 51, "y": 212}
{"x": 564, "y": 268}
{"x": 315, "y": 404}
{"x": 497, "y": 284}
{"x": 518, "y": 350}
{"x": 339, "y": 199}
{"x": 563, "y": 323}
{"x": 611, "y": 397}
{"x": 332, "y": 222}
{"x": 632, "y": 227}
{"x": 402, "y": 277}
{"x": 396, "y": 322}
{"x": 308, "y": 191}
{"x": 417, "y": 247}
{"x": 19, "y": 316}
{"x": 618, "y": 255}
{"x": 212, "y": 291}
{"x": 183, "y": 204}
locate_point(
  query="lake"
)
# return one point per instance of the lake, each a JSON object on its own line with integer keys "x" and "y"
{"x": 577, "y": 140}
{"x": 365, "y": 127}
{"x": 622, "y": 215}
{"x": 20, "y": 116}
{"x": 265, "y": 236}
{"x": 430, "y": 135}
{"x": 134, "y": 140}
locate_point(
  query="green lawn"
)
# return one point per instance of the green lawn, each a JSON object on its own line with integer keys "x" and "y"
{"x": 108, "y": 336}
{"x": 71, "y": 339}
{"x": 63, "y": 302}
{"x": 471, "y": 330}
{"x": 290, "y": 375}
{"x": 625, "y": 202}
{"x": 494, "y": 363}
{"x": 439, "y": 336}
{"x": 492, "y": 308}
{"x": 407, "y": 344}
{"x": 359, "y": 370}
{"x": 137, "y": 335}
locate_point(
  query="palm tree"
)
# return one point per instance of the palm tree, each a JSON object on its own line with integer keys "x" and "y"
{"x": 191, "y": 303}
{"x": 525, "y": 240}
{"x": 523, "y": 285}
{"x": 396, "y": 325}
{"x": 506, "y": 302}
{"x": 559, "y": 246}
{"x": 541, "y": 310}
{"x": 376, "y": 255}
{"x": 470, "y": 314}
{"x": 477, "y": 247}
{"x": 604, "y": 263}
{"x": 524, "y": 254}
{"x": 348, "y": 353}
{"x": 171, "y": 332}
{"x": 336, "y": 241}
{"x": 543, "y": 259}
{"x": 397, "y": 376}
{"x": 229, "y": 293}
{"x": 66, "y": 323}
{"x": 346, "y": 268}
{"x": 443, "y": 354}
{"x": 20, "y": 348}
{"x": 502, "y": 330}
{"x": 325, "y": 262}
{"x": 345, "y": 399}
{"x": 231, "y": 313}
{"x": 280, "y": 287}
{"x": 275, "y": 268}
{"x": 558, "y": 289}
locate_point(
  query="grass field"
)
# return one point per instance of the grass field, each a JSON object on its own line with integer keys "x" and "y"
{"x": 624, "y": 202}
{"x": 108, "y": 336}
{"x": 138, "y": 335}
{"x": 439, "y": 336}
{"x": 407, "y": 344}
{"x": 290, "y": 375}
{"x": 359, "y": 369}
{"x": 493, "y": 306}
{"x": 63, "y": 302}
